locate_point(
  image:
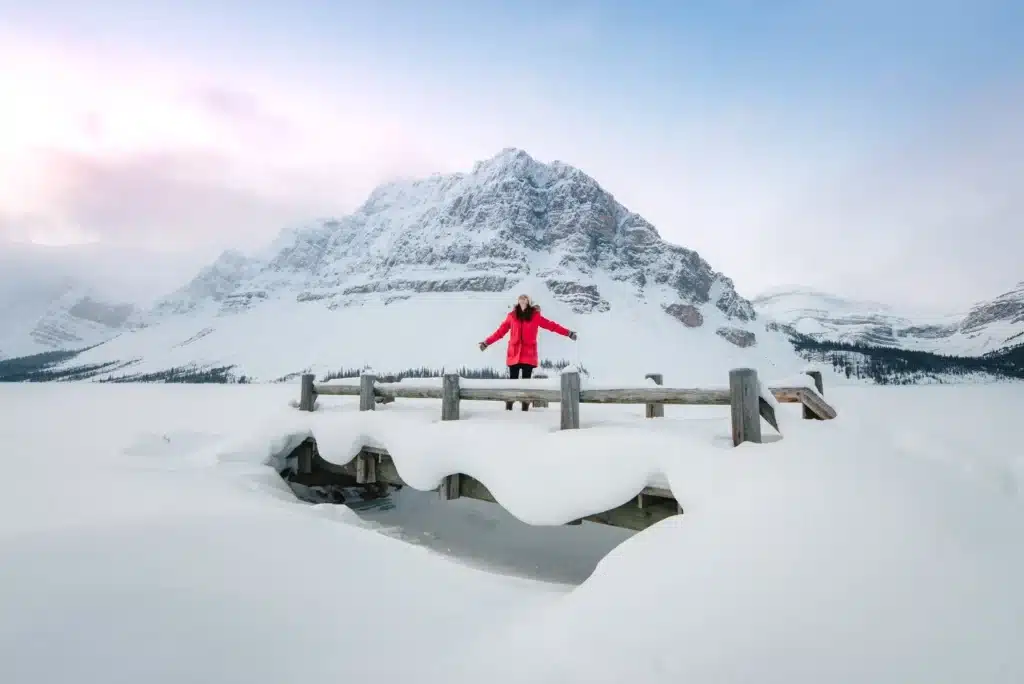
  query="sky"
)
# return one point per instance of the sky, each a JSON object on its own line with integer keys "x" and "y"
{"x": 870, "y": 149}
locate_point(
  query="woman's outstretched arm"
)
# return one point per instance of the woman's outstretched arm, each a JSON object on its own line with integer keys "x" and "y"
{"x": 499, "y": 333}
{"x": 548, "y": 324}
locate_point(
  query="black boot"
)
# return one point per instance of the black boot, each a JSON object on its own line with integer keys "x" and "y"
{"x": 508, "y": 405}
{"x": 526, "y": 406}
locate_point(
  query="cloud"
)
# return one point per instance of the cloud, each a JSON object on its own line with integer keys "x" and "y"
{"x": 158, "y": 199}
{"x": 94, "y": 149}
{"x": 238, "y": 111}
{"x": 932, "y": 218}
{"x": 111, "y": 272}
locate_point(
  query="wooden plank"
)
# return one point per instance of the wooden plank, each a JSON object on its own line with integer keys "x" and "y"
{"x": 627, "y": 516}
{"x": 787, "y": 395}
{"x": 630, "y": 517}
{"x": 450, "y": 487}
{"x": 816, "y": 403}
{"x": 500, "y": 394}
{"x": 656, "y": 395}
{"x": 819, "y": 383}
{"x": 396, "y": 391}
{"x": 658, "y": 492}
{"x": 450, "y": 397}
{"x": 337, "y": 390}
{"x": 366, "y": 395}
{"x": 472, "y": 488}
{"x": 655, "y": 410}
{"x": 767, "y": 412}
{"x": 307, "y": 393}
{"x": 649, "y": 497}
{"x": 570, "y": 401}
{"x": 639, "y": 395}
{"x": 806, "y": 396}
{"x": 746, "y": 414}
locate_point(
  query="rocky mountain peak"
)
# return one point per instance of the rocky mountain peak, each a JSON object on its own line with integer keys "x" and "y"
{"x": 214, "y": 283}
{"x": 509, "y": 218}
{"x": 1007, "y": 308}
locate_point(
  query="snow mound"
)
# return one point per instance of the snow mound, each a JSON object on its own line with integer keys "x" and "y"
{"x": 814, "y": 562}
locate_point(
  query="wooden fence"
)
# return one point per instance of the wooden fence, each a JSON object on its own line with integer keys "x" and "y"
{"x": 373, "y": 468}
{"x": 743, "y": 395}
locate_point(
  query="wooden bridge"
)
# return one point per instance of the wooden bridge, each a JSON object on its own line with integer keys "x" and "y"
{"x": 374, "y": 469}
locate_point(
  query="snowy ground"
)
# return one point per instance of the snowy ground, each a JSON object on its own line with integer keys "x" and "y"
{"x": 142, "y": 538}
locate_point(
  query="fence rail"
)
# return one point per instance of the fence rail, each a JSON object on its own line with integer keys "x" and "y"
{"x": 743, "y": 395}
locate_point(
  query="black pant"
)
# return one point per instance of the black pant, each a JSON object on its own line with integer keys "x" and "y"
{"x": 514, "y": 372}
{"x": 524, "y": 368}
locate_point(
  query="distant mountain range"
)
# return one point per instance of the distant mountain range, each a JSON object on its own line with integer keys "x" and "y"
{"x": 871, "y": 340}
{"x": 49, "y": 302}
{"x": 987, "y": 327}
{"x": 424, "y": 269}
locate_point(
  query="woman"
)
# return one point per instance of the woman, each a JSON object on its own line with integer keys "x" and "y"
{"x": 524, "y": 322}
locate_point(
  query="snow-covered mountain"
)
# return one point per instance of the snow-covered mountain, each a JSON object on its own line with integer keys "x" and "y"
{"x": 58, "y": 314}
{"x": 987, "y": 327}
{"x": 70, "y": 321}
{"x": 424, "y": 269}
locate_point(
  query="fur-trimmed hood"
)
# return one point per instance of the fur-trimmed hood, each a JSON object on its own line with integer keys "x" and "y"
{"x": 533, "y": 305}
{"x": 532, "y": 310}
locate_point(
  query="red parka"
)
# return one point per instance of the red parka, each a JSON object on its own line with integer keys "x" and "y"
{"x": 522, "y": 343}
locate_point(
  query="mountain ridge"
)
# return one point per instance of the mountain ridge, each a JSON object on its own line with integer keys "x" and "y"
{"x": 986, "y": 327}
{"x": 448, "y": 253}
{"x": 487, "y": 228}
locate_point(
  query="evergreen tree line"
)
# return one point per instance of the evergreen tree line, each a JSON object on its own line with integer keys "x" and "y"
{"x": 220, "y": 375}
{"x": 890, "y": 366}
{"x": 426, "y": 372}
{"x": 40, "y": 368}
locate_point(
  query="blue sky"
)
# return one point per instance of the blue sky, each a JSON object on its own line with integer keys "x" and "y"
{"x": 727, "y": 123}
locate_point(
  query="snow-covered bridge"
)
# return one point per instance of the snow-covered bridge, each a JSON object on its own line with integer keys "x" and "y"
{"x": 617, "y": 478}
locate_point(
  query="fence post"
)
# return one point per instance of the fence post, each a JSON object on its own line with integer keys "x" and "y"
{"x": 570, "y": 400}
{"x": 450, "y": 397}
{"x": 655, "y": 410}
{"x": 540, "y": 403}
{"x": 819, "y": 385}
{"x": 744, "y": 398}
{"x": 307, "y": 394}
{"x": 304, "y": 462}
{"x": 449, "y": 488}
{"x": 366, "y": 467}
{"x": 366, "y": 400}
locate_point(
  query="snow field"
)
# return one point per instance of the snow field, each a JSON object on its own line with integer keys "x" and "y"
{"x": 442, "y": 330}
{"x": 143, "y": 536}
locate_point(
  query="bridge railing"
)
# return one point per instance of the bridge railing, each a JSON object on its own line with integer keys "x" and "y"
{"x": 744, "y": 394}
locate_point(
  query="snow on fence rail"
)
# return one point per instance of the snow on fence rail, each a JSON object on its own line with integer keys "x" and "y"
{"x": 745, "y": 395}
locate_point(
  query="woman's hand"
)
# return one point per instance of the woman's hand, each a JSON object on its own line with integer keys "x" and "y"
{"x": 572, "y": 335}
{"x": 483, "y": 345}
